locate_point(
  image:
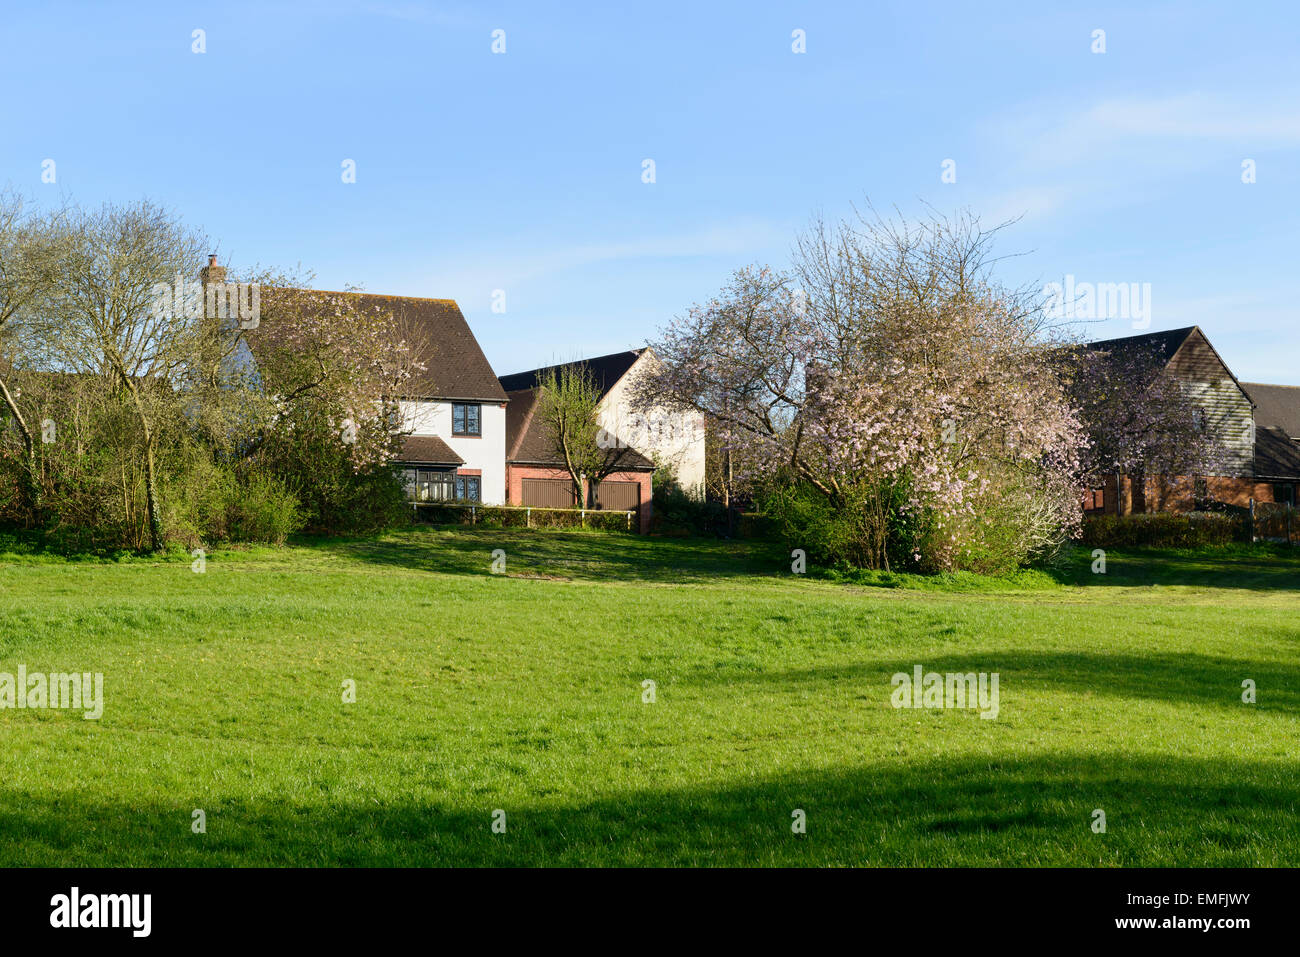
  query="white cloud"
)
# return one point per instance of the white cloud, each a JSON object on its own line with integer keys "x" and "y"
{"x": 528, "y": 258}
{"x": 1122, "y": 129}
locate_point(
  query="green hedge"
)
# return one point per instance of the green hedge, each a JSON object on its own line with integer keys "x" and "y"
{"x": 1164, "y": 530}
{"x": 757, "y": 525}
{"x": 515, "y": 516}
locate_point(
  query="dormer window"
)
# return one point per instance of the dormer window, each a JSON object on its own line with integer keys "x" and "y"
{"x": 466, "y": 419}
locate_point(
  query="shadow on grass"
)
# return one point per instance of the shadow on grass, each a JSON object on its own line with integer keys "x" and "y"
{"x": 1176, "y": 678}
{"x": 1256, "y": 567}
{"x": 547, "y": 553}
{"x": 1159, "y": 812}
{"x": 606, "y": 556}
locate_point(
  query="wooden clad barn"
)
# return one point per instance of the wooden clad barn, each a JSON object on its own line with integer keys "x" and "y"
{"x": 1228, "y": 409}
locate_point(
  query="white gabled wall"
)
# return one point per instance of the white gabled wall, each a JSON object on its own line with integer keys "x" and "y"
{"x": 673, "y": 439}
{"x": 487, "y": 453}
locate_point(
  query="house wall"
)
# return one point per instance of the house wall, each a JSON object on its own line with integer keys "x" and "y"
{"x": 1177, "y": 493}
{"x": 485, "y": 454}
{"x": 1229, "y": 412}
{"x": 517, "y": 473}
{"x": 672, "y": 439}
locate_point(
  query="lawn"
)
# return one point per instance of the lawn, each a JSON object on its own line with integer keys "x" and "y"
{"x": 523, "y": 692}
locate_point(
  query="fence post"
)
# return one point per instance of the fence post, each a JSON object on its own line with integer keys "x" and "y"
{"x": 629, "y": 520}
{"x": 528, "y": 518}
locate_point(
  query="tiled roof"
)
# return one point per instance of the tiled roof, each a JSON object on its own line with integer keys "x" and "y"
{"x": 1164, "y": 343}
{"x": 456, "y": 366}
{"x": 428, "y": 450}
{"x": 528, "y": 441}
{"x": 1276, "y": 406}
{"x": 605, "y": 370}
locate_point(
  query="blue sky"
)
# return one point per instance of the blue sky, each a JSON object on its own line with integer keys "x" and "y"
{"x": 522, "y": 171}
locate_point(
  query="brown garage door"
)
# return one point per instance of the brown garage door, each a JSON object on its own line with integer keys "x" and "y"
{"x": 548, "y": 493}
{"x": 621, "y": 496}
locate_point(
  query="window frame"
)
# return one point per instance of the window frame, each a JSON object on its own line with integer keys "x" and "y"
{"x": 464, "y": 408}
{"x": 468, "y": 488}
{"x": 428, "y": 484}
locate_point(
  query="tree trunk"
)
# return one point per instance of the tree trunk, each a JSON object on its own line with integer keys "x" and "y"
{"x": 32, "y": 490}
{"x": 151, "y": 498}
{"x": 153, "y": 513}
{"x": 29, "y": 480}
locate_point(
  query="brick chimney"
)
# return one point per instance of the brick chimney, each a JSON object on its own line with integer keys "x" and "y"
{"x": 212, "y": 272}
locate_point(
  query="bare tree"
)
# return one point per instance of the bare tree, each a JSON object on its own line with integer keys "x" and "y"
{"x": 121, "y": 311}
{"x": 28, "y": 266}
{"x": 568, "y": 408}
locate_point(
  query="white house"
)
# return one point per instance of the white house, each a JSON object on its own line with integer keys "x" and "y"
{"x": 455, "y": 410}
{"x": 660, "y": 437}
{"x": 466, "y": 440}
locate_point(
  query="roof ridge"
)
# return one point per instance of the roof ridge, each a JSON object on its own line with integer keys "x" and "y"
{"x": 365, "y": 292}
{"x": 575, "y": 362}
{"x": 1144, "y": 335}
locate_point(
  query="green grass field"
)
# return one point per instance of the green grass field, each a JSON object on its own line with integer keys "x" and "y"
{"x": 523, "y": 692}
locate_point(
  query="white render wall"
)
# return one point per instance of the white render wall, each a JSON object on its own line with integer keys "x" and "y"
{"x": 673, "y": 439}
{"x": 487, "y": 453}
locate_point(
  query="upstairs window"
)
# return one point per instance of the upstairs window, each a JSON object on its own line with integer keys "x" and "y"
{"x": 1198, "y": 419}
{"x": 465, "y": 419}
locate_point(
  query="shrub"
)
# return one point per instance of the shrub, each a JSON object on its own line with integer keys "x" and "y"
{"x": 338, "y": 500}
{"x": 866, "y": 526}
{"x": 1012, "y": 522}
{"x": 263, "y": 510}
{"x": 830, "y": 535}
{"x": 1163, "y": 530}
{"x": 677, "y": 512}
{"x": 208, "y": 503}
{"x": 757, "y": 525}
{"x": 516, "y": 516}
{"x": 499, "y": 516}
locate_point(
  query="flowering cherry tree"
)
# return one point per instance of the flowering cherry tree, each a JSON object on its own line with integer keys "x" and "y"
{"x": 889, "y": 372}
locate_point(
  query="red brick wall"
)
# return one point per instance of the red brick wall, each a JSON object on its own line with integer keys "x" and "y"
{"x": 1239, "y": 491}
{"x": 1177, "y": 493}
{"x": 515, "y": 475}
